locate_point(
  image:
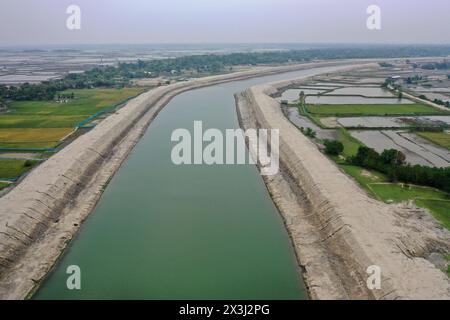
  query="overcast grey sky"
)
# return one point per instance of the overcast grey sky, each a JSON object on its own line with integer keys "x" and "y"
{"x": 30, "y": 22}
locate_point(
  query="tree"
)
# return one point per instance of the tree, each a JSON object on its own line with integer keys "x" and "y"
{"x": 310, "y": 133}
{"x": 333, "y": 147}
{"x": 393, "y": 157}
{"x": 302, "y": 97}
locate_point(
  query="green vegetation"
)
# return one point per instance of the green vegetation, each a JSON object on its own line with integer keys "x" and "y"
{"x": 439, "y": 208}
{"x": 4, "y": 185}
{"x": 377, "y": 174}
{"x": 37, "y": 121}
{"x": 392, "y": 192}
{"x": 120, "y": 76}
{"x": 52, "y": 114}
{"x": 447, "y": 257}
{"x": 351, "y": 145}
{"x": 386, "y": 65}
{"x": 378, "y": 185}
{"x": 364, "y": 177}
{"x": 42, "y": 124}
{"x": 391, "y": 163}
{"x": 32, "y": 137}
{"x": 440, "y": 138}
{"x": 414, "y": 79}
{"x": 309, "y": 132}
{"x": 13, "y": 169}
{"x": 347, "y": 110}
{"x": 444, "y": 65}
{"x": 333, "y": 147}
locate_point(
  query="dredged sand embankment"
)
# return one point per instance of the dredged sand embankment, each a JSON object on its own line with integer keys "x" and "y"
{"x": 337, "y": 230}
{"x": 41, "y": 215}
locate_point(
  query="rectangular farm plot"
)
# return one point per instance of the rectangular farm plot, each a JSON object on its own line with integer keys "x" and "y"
{"x": 32, "y": 137}
{"x": 39, "y": 121}
{"x": 415, "y": 152}
{"x": 364, "y": 91}
{"x": 440, "y": 138}
{"x": 342, "y": 99}
{"x": 370, "y": 109}
{"x": 54, "y": 114}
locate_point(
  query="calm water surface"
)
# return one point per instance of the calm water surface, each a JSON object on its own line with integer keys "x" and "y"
{"x": 162, "y": 231}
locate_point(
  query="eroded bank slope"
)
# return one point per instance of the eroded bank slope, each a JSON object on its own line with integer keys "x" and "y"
{"x": 41, "y": 215}
{"x": 338, "y": 231}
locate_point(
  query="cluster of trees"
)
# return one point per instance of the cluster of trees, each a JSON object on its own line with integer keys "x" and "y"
{"x": 2, "y": 104}
{"x": 308, "y": 132}
{"x": 69, "y": 96}
{"x": 442, "y": 103}
{"x": 444, "y": 65}
{"x": 389, "y": 82}
{"x": 437, "y": 101}
{"x": 392, "y": 163}
{"x": 42, "y": 91}
{"x": 414, "y": 80}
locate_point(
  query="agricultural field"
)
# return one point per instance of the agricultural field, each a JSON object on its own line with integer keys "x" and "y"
{"x": 440, "y": 138}
{"x": 32, "y": 137}
{"x": 52, "y": 114}
{"x": 3, "y": 185}
{"x": 13, "y": 169}
{"x": 370, "y": 109}
{"x": 42, "y": 124}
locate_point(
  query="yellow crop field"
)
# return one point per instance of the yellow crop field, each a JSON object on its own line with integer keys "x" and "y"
{"x": 32, "y": 137}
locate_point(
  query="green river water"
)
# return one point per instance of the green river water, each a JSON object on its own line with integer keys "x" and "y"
{"x": 162, "y": 231}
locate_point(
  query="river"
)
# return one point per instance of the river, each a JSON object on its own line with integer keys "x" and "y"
{"x": 162, "y": 231}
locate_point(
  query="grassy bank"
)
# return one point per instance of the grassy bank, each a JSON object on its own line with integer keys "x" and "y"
{"x": 439, "y": 208}
{"x": 3, "y": 185}
{"x": 378, "y": 185}
{"x": 351, "y": 144}
{"x": 12, "y": 169}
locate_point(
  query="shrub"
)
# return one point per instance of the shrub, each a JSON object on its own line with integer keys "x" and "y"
{"x": 333, "y": 147}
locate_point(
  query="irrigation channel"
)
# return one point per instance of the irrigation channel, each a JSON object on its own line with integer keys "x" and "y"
{"x": 163, "y": 231}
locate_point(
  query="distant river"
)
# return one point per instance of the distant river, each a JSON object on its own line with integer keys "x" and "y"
{"x": 162, "y": 231}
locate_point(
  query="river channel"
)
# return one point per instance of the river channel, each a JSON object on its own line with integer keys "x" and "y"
{"x": 162, "y": 231}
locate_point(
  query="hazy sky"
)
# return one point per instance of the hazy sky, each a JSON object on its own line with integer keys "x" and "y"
{"x": 30, "y": 22}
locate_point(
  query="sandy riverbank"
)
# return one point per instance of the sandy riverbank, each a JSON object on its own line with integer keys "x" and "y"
{"x": 338, "y": 231}
{"x": 41, "y": 215}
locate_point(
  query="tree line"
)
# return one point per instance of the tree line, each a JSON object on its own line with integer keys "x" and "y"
{"x": 120, "y": 75}
{"x": 392, "y": 163}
